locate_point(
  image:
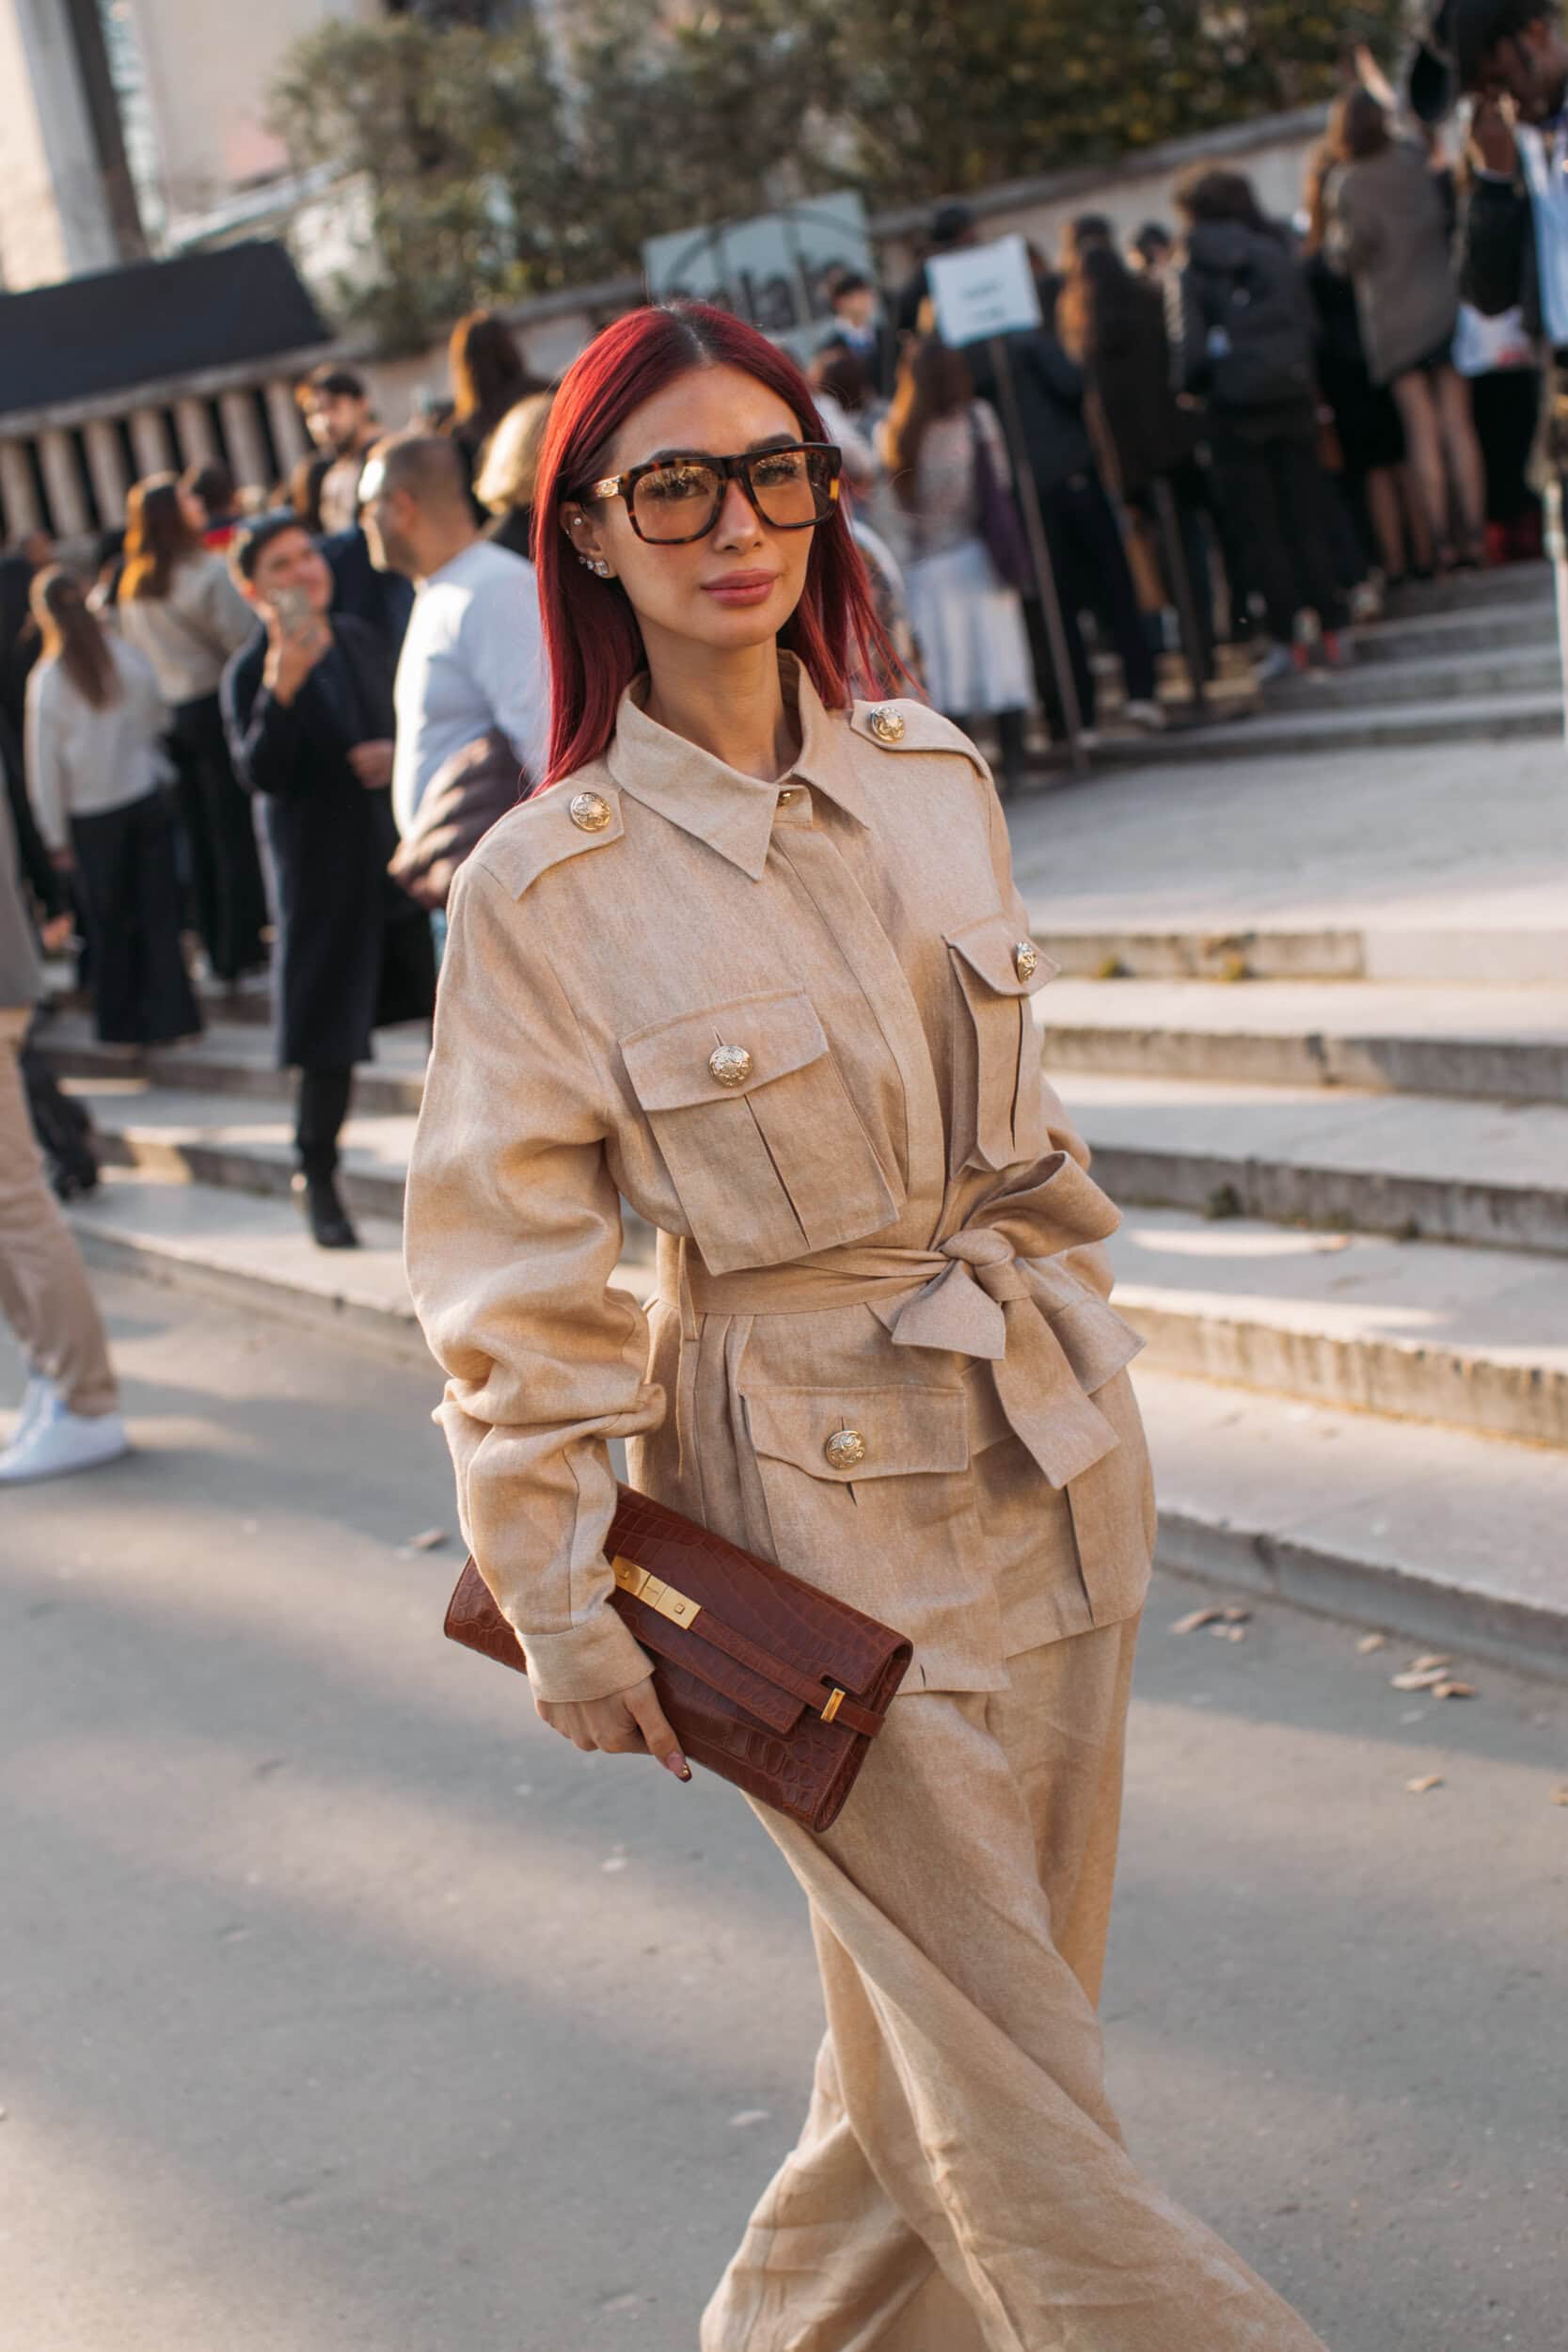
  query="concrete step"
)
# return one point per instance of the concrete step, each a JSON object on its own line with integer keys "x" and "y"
{"x": 1475, "y": 1337}
{"x": 1483, "y": 1174}
{"x": 1433, "y": 680}
{"x": 1495, "y": 956}
{"x": 1454, "y": 1541}
{"x": 237, "y": 1144}
{"x": 1511, "y": 584}
{"x": 1505, "y": 1044}
{"x": 236, "y": 1059}
{"x": 1486, "y": 718}
{"x": 1472, "y": 629}
{"x": 253, "y": 1248}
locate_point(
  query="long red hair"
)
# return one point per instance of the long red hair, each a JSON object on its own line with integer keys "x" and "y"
{"x": 591, "y": 639}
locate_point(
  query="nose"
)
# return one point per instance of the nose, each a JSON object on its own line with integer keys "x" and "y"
{"x": 737, "y": 525}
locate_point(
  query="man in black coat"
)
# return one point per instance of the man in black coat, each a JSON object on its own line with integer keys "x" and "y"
{"x": 308, "y": 705}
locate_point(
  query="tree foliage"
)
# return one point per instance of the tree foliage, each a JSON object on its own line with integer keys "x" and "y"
{"x": 494, "y": 168}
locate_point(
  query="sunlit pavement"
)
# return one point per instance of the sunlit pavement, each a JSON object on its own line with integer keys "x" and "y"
{"x": 349, "y": 2012}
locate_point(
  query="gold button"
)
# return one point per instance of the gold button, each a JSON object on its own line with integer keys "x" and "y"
{"x": 887, "y": 724}
{"x": 589, "y": 811}
{"x": 845, "y": 1450}
{"x": 1026, "y": 959}
{"x": 731, "y": 1065}
{"x": 788, "y": 797}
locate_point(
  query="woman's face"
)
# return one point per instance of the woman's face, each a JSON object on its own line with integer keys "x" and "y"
{"x": 737, "y": 586}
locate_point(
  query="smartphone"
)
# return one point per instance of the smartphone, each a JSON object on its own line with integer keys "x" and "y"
{"x": 292, "y": 608}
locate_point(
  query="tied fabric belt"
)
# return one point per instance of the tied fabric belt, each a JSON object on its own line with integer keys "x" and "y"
{"x": 1050, "y": 1338}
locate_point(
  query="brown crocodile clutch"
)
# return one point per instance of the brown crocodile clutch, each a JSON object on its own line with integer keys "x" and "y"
{"x": 768, "y": 1681}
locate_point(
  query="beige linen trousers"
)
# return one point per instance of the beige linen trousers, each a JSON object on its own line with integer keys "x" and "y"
{"x": 789, "y": 1022}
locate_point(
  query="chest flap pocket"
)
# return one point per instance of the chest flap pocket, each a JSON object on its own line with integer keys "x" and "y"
{"x": 998, "y": 1115}
{"x": 766, "y": 1152}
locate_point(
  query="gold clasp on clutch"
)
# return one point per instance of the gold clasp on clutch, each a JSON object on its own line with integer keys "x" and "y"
{"x": 833, "y": 1707}
{"x": 678, "y": 1607}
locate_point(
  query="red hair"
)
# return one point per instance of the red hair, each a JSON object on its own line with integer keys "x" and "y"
{"x": 592, "y": 640}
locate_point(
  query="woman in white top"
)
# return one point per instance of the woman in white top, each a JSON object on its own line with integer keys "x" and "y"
{"x": 179, "y": 607}
{"x": 968, "y": 621}
{"x": 95, "y": 766}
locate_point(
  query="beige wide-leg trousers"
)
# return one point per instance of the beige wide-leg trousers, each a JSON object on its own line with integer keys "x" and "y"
{"x": 961, "y": 2185}
{"x": 44, "y": 1289}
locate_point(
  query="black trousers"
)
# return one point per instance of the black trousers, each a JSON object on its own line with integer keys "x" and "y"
{"x": 322, "y": 1106}
{"x": 1275, "y": 496}
{"x": 129, "y": 898}
{"x": 1091, "y": 564}
{"x": 1506, "y": 404}
{"x": 227, "y": 903}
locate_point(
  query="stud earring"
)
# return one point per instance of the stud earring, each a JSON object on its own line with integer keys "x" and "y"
{"x": 596, "y": 564}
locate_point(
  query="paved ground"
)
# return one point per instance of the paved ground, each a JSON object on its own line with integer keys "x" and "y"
{"x": 1446, "y": 834}
{"x": 348, "y": 2012}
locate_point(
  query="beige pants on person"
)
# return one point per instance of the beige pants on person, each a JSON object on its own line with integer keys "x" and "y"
{"x": 961, "y": 2185}
{"x": 44, "y": 1289}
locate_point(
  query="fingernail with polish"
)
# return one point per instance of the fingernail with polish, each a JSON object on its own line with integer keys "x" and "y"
{"x": 678, "y": 1765}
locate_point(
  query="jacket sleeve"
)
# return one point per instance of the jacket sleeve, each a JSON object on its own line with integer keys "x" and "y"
{"x": 266, "y": 738}
{"x": 513, "y": 1232}
{"x": 1186, "y": 331}
{"x": 1491, "y": 259}
{"x": 47, "y": 766}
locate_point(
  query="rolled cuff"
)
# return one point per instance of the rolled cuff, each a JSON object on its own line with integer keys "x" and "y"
{"x": 591, "y": 1660}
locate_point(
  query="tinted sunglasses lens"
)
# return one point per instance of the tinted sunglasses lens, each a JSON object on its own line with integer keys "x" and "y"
{"x": 792, "y": 486}
{"x": 675, "y": 501}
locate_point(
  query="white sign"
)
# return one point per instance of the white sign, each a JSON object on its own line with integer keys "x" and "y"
{"x": 983, "y": 290}
{"x": 774, "y": 271}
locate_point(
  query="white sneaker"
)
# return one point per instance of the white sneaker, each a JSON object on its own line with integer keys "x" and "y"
{"x": 59, "y": 1441}
{"x": 35, "y": 1396}
{"x": 1144, "y": 714}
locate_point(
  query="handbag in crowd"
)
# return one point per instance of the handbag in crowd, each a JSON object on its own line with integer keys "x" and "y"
{"x": 766, "y": 1680}
{"x": 1001, "y": 526}
{"x": 464, "y": 797}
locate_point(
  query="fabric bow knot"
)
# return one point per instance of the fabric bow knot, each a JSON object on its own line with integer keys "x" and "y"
{"x": 986, "y": 1302}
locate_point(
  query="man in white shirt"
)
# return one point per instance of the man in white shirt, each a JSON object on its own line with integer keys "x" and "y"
{"x": 473, "y": 659}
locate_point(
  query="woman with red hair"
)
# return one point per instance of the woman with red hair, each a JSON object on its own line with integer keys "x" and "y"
{"x": 753, "y": 962}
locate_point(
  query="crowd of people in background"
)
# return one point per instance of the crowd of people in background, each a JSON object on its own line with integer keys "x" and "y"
{"x": 261, "y": 729}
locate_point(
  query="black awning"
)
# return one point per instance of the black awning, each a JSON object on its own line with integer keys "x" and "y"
{"x": 116, "y": 329}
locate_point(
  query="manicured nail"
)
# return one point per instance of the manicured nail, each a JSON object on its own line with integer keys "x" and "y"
{"x": 678, "y": 1765}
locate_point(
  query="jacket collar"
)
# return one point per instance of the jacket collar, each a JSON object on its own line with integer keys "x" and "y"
{"x": 731, "y": 812}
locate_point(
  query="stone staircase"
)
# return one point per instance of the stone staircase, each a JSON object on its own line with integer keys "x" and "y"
{"x": 1473, "y": 659}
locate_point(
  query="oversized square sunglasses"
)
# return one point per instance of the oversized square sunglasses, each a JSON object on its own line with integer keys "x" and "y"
{"x": 674, "y": 499}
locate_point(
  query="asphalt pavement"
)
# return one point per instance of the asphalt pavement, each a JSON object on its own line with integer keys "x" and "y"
{"x": 344, "y": 2008}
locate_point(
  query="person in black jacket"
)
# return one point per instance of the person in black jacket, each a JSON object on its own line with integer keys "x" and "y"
{"x": 308, "y": 708}
{"x": 1242, "y": 333}
{"x": 1081, "y": 534}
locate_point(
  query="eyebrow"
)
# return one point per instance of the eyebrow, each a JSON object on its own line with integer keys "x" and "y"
{"x": 752, "y": 448}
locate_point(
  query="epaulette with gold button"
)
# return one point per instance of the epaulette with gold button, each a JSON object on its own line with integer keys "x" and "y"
{"x": 912, "y": 726}
{"x": 547, "y": 830}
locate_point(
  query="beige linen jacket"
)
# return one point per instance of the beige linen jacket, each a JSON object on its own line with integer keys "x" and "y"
{"x": 790, "y": 1024}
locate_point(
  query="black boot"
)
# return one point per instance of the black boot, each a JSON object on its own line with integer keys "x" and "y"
{"x": 324, "y": 1096}
{"x": 325, "y": 1213}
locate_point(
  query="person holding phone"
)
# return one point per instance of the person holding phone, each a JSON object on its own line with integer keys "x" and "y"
{"x": 308, "y": 705}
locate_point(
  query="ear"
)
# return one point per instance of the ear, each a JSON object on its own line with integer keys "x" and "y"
{"x": 583, "y": 535}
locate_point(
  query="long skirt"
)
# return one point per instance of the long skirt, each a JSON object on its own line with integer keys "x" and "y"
{"x": 130, "y": 906}
{"x": 973, "y": 647}
{"x": 962, "y": 2183}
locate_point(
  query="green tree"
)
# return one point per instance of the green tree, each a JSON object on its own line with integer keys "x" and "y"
{"x": 456, "y": 139}
{"x": 485, "y": 179}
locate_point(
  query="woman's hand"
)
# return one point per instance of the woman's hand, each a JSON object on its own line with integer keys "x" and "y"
{"x": 631, "y": 1723}
{"x": 372, "y": 763}
{"x": 291, "y": 655}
